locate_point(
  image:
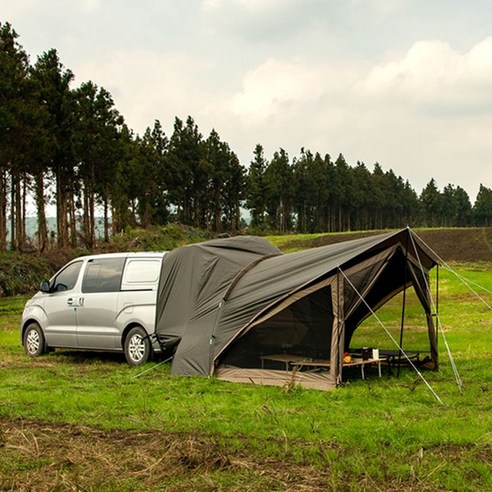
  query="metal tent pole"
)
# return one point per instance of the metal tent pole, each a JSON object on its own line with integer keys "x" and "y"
{"x": 437, "y": 306}
{"x": 404, "y": 302}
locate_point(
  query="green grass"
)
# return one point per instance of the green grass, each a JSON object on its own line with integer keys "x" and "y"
{"x": 289, "y": 243}
{"x": 377, "y": 434}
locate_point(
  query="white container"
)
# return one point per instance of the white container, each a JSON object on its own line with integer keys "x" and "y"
{"x": 375, "y": 353}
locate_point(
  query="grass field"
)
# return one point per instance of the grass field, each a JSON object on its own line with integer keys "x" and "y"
{"x": 81, "y": 421}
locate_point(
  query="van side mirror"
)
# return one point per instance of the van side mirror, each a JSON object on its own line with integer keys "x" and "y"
{"x": 45, "y": 287}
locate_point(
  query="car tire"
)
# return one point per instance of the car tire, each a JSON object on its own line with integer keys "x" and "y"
{"x": 34, "y": 342}
{"x": 138, "y": 348}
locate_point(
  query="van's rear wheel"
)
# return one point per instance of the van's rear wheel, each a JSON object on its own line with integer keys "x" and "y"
{"x": 34, "y": 342}
{"x": 138, "y": 348}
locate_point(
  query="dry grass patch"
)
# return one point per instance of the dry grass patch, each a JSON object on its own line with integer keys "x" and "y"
{"x": 40, "y": 456}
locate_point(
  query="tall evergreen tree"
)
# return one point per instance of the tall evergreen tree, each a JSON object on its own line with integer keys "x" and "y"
{"x": 431, "y": 204}
{"x": 482, "y": 209}
{"x": 233, "y": 190}
{"x": 184, "y": 158}
{"x": 279, "y": 192}
{"x": 256, "y": 188}
{"x": 411, "y": 206}
{"x": 151, "y": 186}
{"x": 310, "y": 191}
{"x": 329, "y": 195}
{"x": 215, "y": 155}
{"x": 125, "y": 185}
{"x": 342, "y": 192}
{"x": 456, "y": 207}
{"x": 95, "y": 143}
{"x": 14, "y": 131}
{"x": 55, "y": 97}
{"x": 361, "y": 197}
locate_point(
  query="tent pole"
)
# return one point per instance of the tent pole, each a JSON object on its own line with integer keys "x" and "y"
{"x": 404, "y": 302}
{"x": 339, "y": 370}
{"x": 338, "y": 338}
{"x": 437, "y": 304}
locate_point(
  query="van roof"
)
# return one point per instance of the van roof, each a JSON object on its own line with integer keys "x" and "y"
{"x": 129, "y": 254}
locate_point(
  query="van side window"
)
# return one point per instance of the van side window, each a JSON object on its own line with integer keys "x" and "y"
{"x": 67, "y": 278}
{"x": 103, "y": 275}
{"x": 141, "y": 274}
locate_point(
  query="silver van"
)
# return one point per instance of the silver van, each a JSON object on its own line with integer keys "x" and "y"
{"x": 103, "y": 302}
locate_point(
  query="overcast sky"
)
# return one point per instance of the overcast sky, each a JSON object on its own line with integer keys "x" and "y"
{"x": 406, "y": 83}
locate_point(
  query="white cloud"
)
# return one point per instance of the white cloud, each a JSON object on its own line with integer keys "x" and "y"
{"x": 86, "y": 6}
{"x": 263, "y": 21}
{"x": 431, "y": 73}
{"x": 274, "y": 87}
{"x": 248, "y": 5}
{"x": 147, "y": 85}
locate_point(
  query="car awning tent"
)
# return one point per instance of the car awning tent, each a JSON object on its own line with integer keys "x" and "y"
{"x": 226, "y": 303}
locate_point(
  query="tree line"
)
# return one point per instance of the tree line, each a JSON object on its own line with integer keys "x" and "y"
{"x": 313, "y": 193}
{"x": 70, "y": 148}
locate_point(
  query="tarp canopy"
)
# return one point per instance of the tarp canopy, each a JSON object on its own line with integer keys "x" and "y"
{"x": 226, "y": 303}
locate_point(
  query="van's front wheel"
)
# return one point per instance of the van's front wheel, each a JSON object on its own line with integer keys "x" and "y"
{"x": 138, "y": 348}
{"x": 34, "y": 342}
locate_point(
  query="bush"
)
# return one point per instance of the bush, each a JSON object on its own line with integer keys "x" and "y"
{"x": 22, "y": 273}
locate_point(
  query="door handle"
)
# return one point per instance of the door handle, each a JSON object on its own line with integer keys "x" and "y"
{"x": 70, "y": 301}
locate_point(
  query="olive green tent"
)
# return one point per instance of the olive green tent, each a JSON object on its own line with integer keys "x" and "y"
{"x": 226, "y": 304}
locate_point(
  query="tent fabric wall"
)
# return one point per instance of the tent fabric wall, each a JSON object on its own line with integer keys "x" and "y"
{"x": 192, "y": 284}
{"x": 221, "y": 301}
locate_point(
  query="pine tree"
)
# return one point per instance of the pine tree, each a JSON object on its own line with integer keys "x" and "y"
{"x": 14, "y": 135}
{"x": 256, "y": 188}
{"x": 482, "y": 210}
{"x": 432, "y": 204}
{"x": 279, "y": 192}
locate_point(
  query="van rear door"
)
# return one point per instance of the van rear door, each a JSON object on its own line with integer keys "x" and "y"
{"x": 136, "y": 303}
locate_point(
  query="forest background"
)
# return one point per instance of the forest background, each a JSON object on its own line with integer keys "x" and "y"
{"x": 69, "y": 150}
